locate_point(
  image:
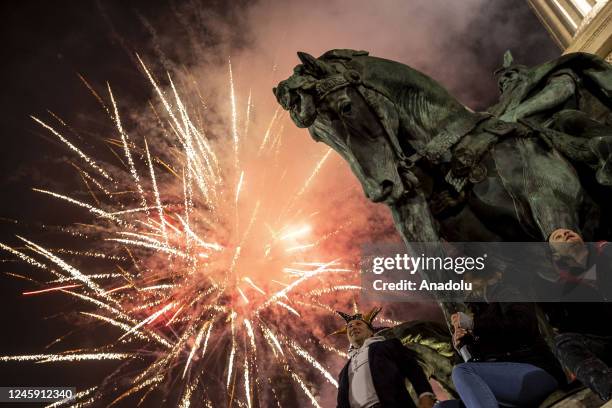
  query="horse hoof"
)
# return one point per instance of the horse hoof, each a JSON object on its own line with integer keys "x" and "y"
{"x": 604, "y": 175}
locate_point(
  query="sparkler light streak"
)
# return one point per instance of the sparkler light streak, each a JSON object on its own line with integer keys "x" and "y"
{"x": 234, "y": 117}
{"x": 34, "y": 292}
{"x": 216, "y": 272}
{"x": 68, "y": 357}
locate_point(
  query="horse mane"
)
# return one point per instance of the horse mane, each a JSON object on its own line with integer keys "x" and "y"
{"x": 423, "y": 104}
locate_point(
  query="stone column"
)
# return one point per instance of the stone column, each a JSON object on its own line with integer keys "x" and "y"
{"x": 578, "y": 25}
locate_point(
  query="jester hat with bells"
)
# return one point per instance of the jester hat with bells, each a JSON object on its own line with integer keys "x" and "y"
{"x": 367, "y": 318}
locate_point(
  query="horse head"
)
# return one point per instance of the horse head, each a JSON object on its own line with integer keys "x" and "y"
{"x": 341, "y": 112}
{"x": 358, "y": 105}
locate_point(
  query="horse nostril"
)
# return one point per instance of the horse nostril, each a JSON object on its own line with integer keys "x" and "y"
{"x": 386, "y": 188}
{"x": 386, "y": 185}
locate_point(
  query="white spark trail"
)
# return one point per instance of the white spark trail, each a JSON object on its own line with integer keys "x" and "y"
{"x": 52, "y": 358}
{"x": 157, "y": 246}
{"x": 120, "y": 315}
{"x": 291, "y": 286}
{"x": 123, "y": 326}
{"x": 300, "y": 247}
{"x": 186, "y": 400}
{"x": 270, "y": 336}
{"x": 196, "y": 345}
{"x": 234, "y": 117}
{"x": 266, "y": 137}
{"x": 289, "y": 308}
{"x": 302, "y": 384}
{"x": 250, "y": 282}
{"x": 160, "y": 209}
{"x": 239, "y": 187}
{"x": 126, "y": 148}
{"x": 313, "y": 175}
{"x": 299, "y": 232}
{"x": 66, "y": 267}
{"x": 91, "y": 208}
{"x": 251, "y": 334}
{"x": 93, "y": 180}
{"x": 205, "y": 346}
{"x": 23, "y": 256}
{"x": 313, "y": 361}
{"x": 232, "y": 352}
{"x": 308, "y": 181}
{"x": 247, "y": 382}
{"x": 248, "y": 116}
{"x": 193, "y": 235}
{"x": 150, "y": 318}
{"x": 73, "y": 398}
{"x": 87, "y": 159}
{"x": 95, "y": 276}
{"x": 243, "y": 295}
{"x": 187, "y": 140}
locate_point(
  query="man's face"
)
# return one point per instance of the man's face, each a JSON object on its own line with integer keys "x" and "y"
{"x": 357, "y": 332}
{"x": 567, "y": 245}
{"x": 564, "y": 235}
{"x": 508, "y": 80}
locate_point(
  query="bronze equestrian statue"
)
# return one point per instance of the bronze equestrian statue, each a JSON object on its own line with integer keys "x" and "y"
{"x": 537, "y": 161}
{"x": 448, "y": 172}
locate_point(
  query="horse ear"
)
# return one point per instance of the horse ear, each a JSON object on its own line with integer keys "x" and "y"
{"x": 307, "y": 59}
{"x": 508, "y": 59}
{"x": 314, "y": 65}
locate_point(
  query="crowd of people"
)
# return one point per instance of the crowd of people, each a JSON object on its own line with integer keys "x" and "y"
{"x": 504, "y": 360}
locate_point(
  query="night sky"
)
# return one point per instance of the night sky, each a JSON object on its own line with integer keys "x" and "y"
{"x": 46, "y": 44}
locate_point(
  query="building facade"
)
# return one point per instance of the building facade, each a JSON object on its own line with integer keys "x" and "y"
{"x": 578, "y": 25}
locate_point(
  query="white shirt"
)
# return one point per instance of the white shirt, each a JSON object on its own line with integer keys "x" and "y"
{"x": 361, "y": 387}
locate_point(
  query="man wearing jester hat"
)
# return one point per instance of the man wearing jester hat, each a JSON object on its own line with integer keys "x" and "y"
{"x": 374, "y": 376}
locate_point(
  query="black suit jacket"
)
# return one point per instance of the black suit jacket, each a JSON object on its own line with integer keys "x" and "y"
{"x": 390, "y": 363}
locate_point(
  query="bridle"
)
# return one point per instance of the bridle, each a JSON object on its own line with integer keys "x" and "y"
{"x": 352, "y": 78}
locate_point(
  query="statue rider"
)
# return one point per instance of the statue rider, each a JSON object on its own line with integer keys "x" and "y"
{"x": 568, "y": 101}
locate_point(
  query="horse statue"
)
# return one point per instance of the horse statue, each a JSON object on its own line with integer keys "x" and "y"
{"x": 444, "y": 170}
{"x": 447, "y": 172}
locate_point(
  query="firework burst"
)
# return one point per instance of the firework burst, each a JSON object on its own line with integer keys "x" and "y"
{"x": 211, "y": 267}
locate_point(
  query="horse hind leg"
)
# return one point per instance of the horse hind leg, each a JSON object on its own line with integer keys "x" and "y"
{"x": 595, "y": 135}
{"x": 602, "y": 147}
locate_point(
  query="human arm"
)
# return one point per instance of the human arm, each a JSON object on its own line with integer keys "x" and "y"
{"x": 462, "y": 320}
{"x": 427, "y": 400}
{"x": 461, "y": 337}
{"x": 558, "y": 90}
{"x": 342, "y": 400}
{"x": 462, "y": 326}
{"x": 409, "y": 367}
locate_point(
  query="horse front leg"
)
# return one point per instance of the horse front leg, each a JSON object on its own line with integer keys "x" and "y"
{"x": 415, "y": 223}
{"x": 545, "y": 188}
